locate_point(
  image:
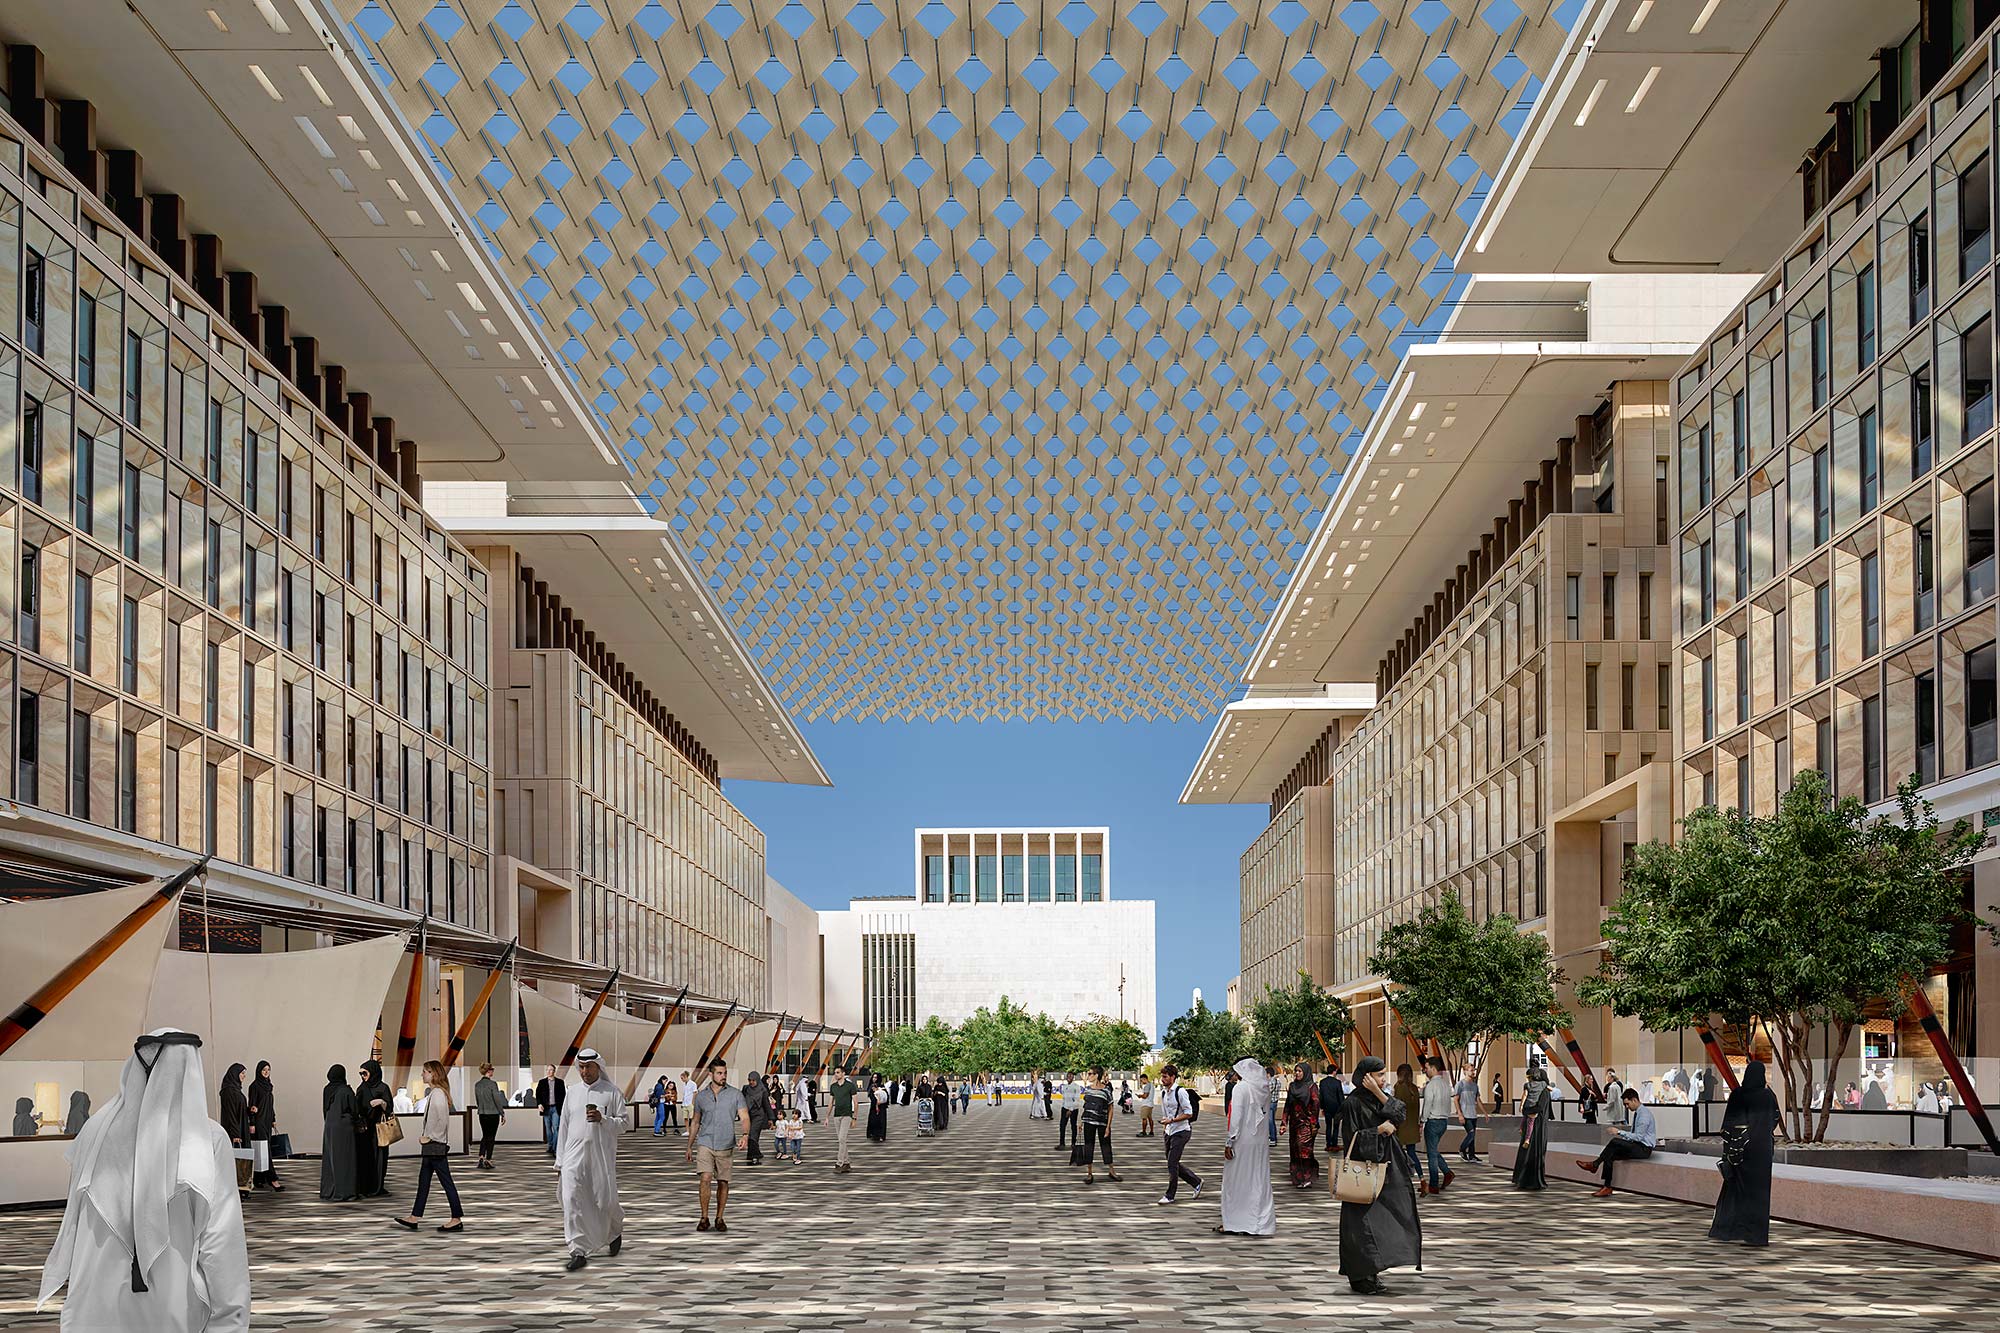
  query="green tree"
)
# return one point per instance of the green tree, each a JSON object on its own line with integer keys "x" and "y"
{"x": 939, "y": 1043}
{"x": 1205, "y": 1038}
{"x": 1113, "y": 1043}
{"x": 1798, "y": 920}
{"x": 898, "y": 1051}
{"x": 1465, "y": 983}
{"x": 1050, "y": 1046}
{"x": 1288, "y": 1025}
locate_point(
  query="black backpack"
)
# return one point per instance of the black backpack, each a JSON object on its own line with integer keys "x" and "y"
{"x": 1194, "y": 1105}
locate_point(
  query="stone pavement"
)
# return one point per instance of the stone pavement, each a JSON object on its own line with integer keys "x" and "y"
{"x": 986, "y": 1226}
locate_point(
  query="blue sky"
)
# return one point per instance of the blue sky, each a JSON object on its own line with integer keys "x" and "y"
{"x": 889, "y": 778}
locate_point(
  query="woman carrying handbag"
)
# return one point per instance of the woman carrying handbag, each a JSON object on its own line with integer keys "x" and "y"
{"x": 435, "y": 1140}
{"x": 1378, "y": 1198}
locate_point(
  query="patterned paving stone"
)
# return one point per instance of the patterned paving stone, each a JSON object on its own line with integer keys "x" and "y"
{"x": 986, "y": 1225}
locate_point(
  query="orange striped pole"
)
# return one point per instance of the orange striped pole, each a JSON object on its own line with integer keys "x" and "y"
{"x": 723, "y": 1054}
{"x": 56, "y": 989}
{"x": 458, "y": 1038}
{"x": 1927, "y": 1017}
{"x": 413, "y": 994}
{"x": 722, "y": 1026}
{"x": 777, "y": 1035}
{"x": 653, "y": 1048}
{"x": 583, "y": 1030}
{"x": 1715, "y": 1055}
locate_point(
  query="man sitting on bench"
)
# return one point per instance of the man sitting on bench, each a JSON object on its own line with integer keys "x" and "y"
{"x": 1636, "y": 1142}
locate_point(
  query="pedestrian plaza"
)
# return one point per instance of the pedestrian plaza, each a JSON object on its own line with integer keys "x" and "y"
{"x": 986, "y": 1225}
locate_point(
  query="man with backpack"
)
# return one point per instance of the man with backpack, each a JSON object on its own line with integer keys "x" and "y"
{"x": 1177, "y": 1110}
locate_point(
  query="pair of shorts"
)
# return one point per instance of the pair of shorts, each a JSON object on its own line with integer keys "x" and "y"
{"x": 713, "y": 1161}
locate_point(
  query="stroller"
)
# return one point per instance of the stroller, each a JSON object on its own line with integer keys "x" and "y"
{"x": 926, "y": 1116}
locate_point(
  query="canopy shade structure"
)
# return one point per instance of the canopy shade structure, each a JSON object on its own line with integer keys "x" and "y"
{"x": 989, "y": 359}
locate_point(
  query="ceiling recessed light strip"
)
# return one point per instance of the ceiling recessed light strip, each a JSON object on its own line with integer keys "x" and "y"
{"x": 1701, "y": 19}
{"x": 1645, "y": 86}
{"x": 1590, "y": 102}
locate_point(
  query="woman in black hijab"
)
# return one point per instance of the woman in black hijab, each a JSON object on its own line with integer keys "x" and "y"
{"x": 1383, "y": 1234}
{"x": 79, "y": 1113}
{"x": 878, "y": 1109}
{"x": 263, "y": 1124}
{"x": 1531, "y": 1159}
{"x": 234, "y": 1114}
{"x": 371, "y": 1160}
{"x": 1743, "y": 1210}
{"x": 941, "y": 1103}
{"x": 1302, "y": 1127}
{"x": 336, "y": 1153}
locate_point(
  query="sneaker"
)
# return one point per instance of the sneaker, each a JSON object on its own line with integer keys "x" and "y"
{"x": 1163, "y": 1199}
{"x": 1196, "y": 1194}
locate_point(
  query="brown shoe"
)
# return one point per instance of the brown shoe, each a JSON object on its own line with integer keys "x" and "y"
{"x": 1584, "y": 1164}
{"x": 1604, "y": 1193}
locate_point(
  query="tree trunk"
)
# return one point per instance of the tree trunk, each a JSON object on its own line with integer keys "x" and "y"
{"x": 1846, "y": 1029}
{"x": 1790, "y": 1047}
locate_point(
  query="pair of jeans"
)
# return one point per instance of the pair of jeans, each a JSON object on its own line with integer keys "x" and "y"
{"x": 1066, "y": 1128}
{"x": 1470, "y": 1147}
{"x": 660, "y": 1118}
{"x": 1433, "y": 1136}
{"x": 1416, "y": 1161}
{"x": 439, "y": 1166}
{"x": 551, "y": 1122}
{"x": 1176, "y": 1173}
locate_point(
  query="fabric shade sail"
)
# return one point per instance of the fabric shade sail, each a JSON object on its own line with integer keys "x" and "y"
{"x": 102, "y": 1016}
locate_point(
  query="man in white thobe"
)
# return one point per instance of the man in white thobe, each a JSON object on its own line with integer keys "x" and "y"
{"x": 587, "y": 1160}
{"x": 1247, "y": 1206}
{"x": 152, "y": 1236}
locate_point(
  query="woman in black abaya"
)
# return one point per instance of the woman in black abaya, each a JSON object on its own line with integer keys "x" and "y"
{"x": 371, "y": 1160}
{"x": 878, "y": 1110}
{"x": 336, "y": 1160}
{"x": 1743, "y": 1209}
{"x": 1531, "y": 1160}
{"x": 263, "y": 1124}
{"x": 1386, "y": 1233}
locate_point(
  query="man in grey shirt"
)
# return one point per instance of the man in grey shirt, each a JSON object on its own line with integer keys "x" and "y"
{"x": 1466, "y": 1094}
{"x": 720, "y": 1125}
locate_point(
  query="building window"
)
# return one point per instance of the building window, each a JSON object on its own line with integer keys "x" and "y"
{"x": 1012, "y": 881}
{"x": 1704, "y": 467}
{"x": 933, "y": 879}
{"x": 128, "y": 515}
{"x": 128, "y": 645}
{"x": 1739, "y": 431}
{"x": 1065, "y": 879}
{"x": 1871, "y": 748}
{"x": 1821, "y": 366}
{"x": 211, "y": 791}
{"x": 1038, "y": 879}
{"x": 1822, "y": 631}
{"x": 1822, "y": 495}
{"x": 1662, "y": 509}
{"x": 1979, "y": 519}
{"x": 1781, "y": 658}
{"x": 31, "y": 598}
{"x": 85, "y": 496}
{"x": 1823, "y": 748}
{"x": 1610, "y": 605}
{"x": 1871, "y": 604}
{"x": 1864, "y": 317}
{"x": 135, "y": 374}
{"x": 211, "y": 451}
{"x": 1705, "y": 558}
{"x": 212, "y": 578}
{"x": 1975, "y": 219}
{"x": 1743, "y": 679}
{"x": 1573, "y": 606}
{"x": 79, "y": 623}
{"x": 31, "y": 450}
{"x": 1743, "y": 784}
{"x": 1923, "y": 572}
{"x": 1926, "y": 726}
{"x": 1920, "y": 269}
{"x": 128, "y": 781}
{"x": 79, "y": 764}
{"x": 1610, "y": 769}
{"x": 1093, "y": 878}
{"x": 1628, "y": 696}
{"x": 1922, "y": 444}
{"x": 1982, "y": 705}
{"x": 986, "y": 888}
{"x": 211, "y": 671}
{"x": 1871, "y": 463}
{"x": 28, "y": 749}
{"x": 1708, "y": 698}
{"x": 34, "y": 300}
{"x": 1645, "y": 606}
{"x": 246, "y": 823}
{"x": 1975, "y": 359}
{"x": 1665, "y": 686}
{"x": 1590, "y": 697}
{"x": 1739, "y": 536}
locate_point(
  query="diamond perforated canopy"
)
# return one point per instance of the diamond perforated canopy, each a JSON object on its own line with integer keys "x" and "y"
{"x": 992, "y": 359}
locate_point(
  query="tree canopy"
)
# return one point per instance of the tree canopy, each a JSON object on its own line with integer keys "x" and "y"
{"x": 1465, "y": 983}
{"x": 1205, "y": 1038}
{"x": 1008, "y": 1039}
{"x": 1800, "y": 919}
{"x": 1287, "y": 1025}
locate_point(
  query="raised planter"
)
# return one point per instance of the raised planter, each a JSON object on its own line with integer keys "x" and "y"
{"x": 1921, "y": 1163}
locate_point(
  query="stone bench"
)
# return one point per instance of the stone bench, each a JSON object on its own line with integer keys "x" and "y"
{"x": 1956, "y": 1215}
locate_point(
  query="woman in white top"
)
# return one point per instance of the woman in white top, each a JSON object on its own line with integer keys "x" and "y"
{"x": 434, "y": 1140}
